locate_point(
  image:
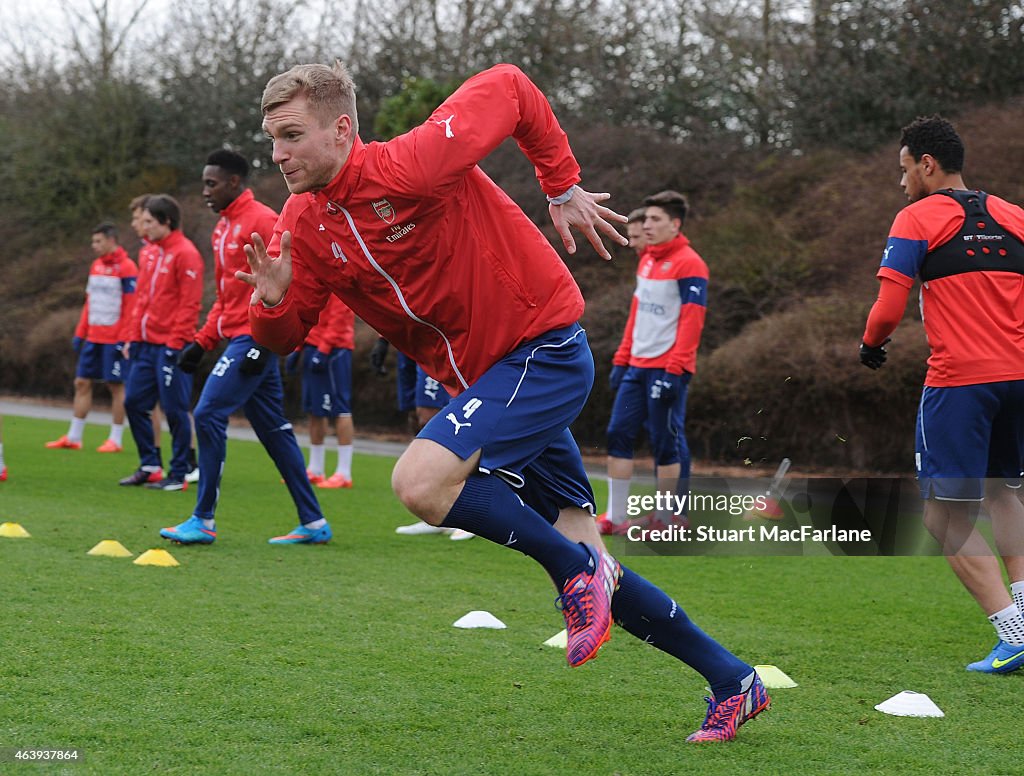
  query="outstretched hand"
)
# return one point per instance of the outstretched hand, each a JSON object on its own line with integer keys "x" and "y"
{"x": 583, "y": 212}
{"x": 270, "y": 277}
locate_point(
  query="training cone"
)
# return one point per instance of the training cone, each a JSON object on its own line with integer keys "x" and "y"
{"x": 910, "y": 704}
{"x": 155, "y": 558}
{"x": 772, "y": 511}
{"x": 110, "y": 548}
{"x": 13, "y": 531}
{"x": 560, "y": 640}
{"x": 479, "y": 619}
{"x": 774, "y": 678}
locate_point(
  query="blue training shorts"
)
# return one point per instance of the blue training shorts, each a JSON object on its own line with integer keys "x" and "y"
{"x": 327, "y": 394}
{"x": 100, "y": 362}
{"x": 518, "y": 414}
{"x": 968, "y": 433}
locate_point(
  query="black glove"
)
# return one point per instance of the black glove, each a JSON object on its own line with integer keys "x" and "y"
{"x": 255, "y": 360}
{"x": 189, "y": 358}
{"x": 291, "y": 364}
{"x": 615, "y": 378}
{"x": 318, "y": 363}
{"x": 377, "y": 356}
{"x": 873, "y": 357}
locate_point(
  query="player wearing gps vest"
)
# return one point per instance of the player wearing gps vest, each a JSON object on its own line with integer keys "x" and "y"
{"x": 967, "y": 247}
{"x": 426, "y": 249}
{"x": 652, "y": 367}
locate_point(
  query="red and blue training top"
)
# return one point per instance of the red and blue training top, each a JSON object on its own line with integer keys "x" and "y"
{"x": 968, "y": 249}
{"x": 666, "y": 316}
{"x": 109, "y": 298}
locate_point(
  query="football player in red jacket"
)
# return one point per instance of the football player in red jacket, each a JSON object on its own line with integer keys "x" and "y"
{"x": 246, "y": 375}
{"x": 424, "y": 247}
{"x": 164, "y": 321}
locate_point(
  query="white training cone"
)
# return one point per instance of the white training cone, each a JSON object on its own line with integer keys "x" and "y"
{"x": 560, "y": 640}
{"x": 910, "y": 704}
{"x": 478, "y": 619}
{"x": 774, "y": 678}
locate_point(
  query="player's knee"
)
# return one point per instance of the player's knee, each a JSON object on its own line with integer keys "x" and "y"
{"x": 83, "y": 384}
{"x": 416, "y": 491}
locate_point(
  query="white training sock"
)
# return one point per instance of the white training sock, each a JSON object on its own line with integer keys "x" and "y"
{"x": 1, "y": 455}
{"x": 117, "y": 433}
{"x": 1009, "y": 625}
{"x": 316, "y": 459}
{"x": 77, "y": 427}
{"x": 316, "y": 524}
{"x": 618, "y": 497}
{"x": 1017, "y": 591}
{"x": 344, "y": 461}
{"x": 209, "y": 524}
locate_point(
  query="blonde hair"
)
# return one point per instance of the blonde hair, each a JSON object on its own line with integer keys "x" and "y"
{"x": 329, "y": 90}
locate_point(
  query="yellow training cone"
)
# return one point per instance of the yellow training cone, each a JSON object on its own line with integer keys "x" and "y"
{"x": 13, "y": 531}
{"x": 773, "y": 677}
{"x": 155, "y": 558}
{"x": 111, "y": 548}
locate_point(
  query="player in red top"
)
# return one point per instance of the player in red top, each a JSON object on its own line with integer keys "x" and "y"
{"x": 246, "y": 375}
{"x": 657, "y": 356}
{"x": 968, "y": 249}
{"x": 164, "y": 321}
{"x": 100, "y": 336}
{"x": 425, "y": 248}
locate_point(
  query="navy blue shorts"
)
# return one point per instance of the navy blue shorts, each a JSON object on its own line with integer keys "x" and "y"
{"x": 518, "y": 414}
{"x": 328, "y": 394}
{"x": 416, "y": 388}
{"x": 637, "y": 406}
{"x": 101, "y": 362}
{"x": 966, "y": 434}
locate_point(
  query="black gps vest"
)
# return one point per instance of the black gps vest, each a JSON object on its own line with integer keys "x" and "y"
{"x": 982, "y": 244}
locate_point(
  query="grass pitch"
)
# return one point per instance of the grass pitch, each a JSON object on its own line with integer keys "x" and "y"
{"x": 253, "y": 659}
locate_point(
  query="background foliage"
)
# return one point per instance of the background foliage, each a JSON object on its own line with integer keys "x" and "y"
{"x": 776, "y": 117}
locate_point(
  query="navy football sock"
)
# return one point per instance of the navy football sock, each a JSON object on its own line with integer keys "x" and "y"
{"x": 488, "y": 507}
{"x": 650, "y": 615}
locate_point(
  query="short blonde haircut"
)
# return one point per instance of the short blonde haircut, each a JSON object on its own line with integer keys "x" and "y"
{"x": 329, "y": 90}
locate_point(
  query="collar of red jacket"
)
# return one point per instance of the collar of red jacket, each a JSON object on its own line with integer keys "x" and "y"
{"x": 344, "y": 184}
{"x": 238, "y": 204}
{"x": 665, "y": 249}
{"x": 170, "y": 240}
{"x": 118, "y": 254}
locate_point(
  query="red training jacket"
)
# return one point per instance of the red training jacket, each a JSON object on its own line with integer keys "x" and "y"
{"x": 109, "y": 297}
{"x": 229, "y": 316}
{"x": 425, "y": 248}
{"x": 336, "y": 328}
{"x": 173, "y": 294}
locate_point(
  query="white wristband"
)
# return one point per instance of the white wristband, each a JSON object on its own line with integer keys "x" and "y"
{"x": 564, "y": 197}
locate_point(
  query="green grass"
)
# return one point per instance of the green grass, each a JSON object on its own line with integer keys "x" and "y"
{"x": 253, "y": 659}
